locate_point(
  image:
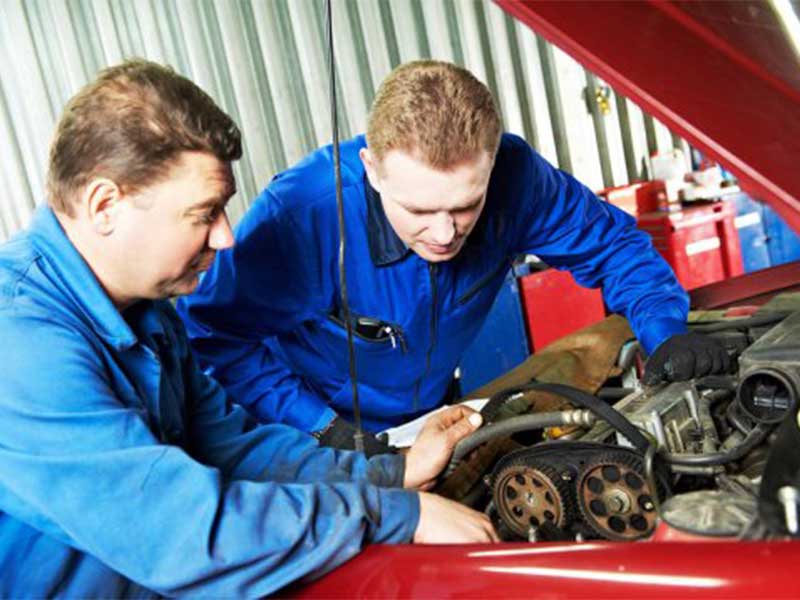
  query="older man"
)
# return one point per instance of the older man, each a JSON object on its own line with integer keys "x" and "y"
{"x": 124, "y": 471}
{"x": 438, "y": 201}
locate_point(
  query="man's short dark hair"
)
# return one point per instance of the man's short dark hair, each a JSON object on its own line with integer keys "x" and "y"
{"x": 130, "y": 125}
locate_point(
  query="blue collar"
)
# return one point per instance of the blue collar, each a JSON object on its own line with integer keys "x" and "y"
{"x": 385, "y": 246}
{"x": 78, "y": 284}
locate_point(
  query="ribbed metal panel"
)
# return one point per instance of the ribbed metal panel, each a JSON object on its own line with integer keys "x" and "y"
{"x": 264, "y": 62}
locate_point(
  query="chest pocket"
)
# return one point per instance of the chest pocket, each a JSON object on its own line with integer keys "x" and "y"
{"x": 373, "y": 333}
{"x": 484, "y": 280}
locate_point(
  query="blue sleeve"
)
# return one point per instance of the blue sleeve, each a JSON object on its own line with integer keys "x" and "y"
{"x": 278, "y": 275}
{"x": 568, "y": 227}
{"x": 225, "y": 437}
{"x": 83, "y": 467}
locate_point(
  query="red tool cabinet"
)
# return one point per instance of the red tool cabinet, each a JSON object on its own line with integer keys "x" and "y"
{"x": 700, "y": 243}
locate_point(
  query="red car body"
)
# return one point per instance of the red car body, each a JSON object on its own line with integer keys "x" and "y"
{"x": 709, "y": 72}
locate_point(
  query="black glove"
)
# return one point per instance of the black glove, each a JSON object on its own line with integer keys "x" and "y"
{"x": 686, "y": 356}
{"x": 339, "y": 434}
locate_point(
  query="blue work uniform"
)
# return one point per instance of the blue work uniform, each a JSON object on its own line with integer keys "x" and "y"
{"x": 266, "y": 319}
{"x": 124, "y": 470}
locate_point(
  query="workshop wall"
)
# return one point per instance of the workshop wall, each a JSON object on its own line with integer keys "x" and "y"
{"x": 264, "y": 62}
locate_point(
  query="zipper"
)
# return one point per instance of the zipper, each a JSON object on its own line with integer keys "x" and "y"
{"x": 476, "y": 287}
{"x": 432, "y": 270}
{"x": 394, "y": 334}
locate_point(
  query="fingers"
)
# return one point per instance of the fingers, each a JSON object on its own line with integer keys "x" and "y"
{"x": 462, "y": 428}
{"x": 452, "y": 415}
{"x": 443, "y": 521}
{"x": 493, "y": 537}
{"x": 704, "y": 363}
{"x": 683, "y": 364}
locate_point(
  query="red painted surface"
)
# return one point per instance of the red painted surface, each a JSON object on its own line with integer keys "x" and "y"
{"x": 590, "y": 570}
{"x": 754, "y": 288}
{"x": 701, "y": 243}
{"x": 554, "y": 306}
{"x": 637, "y": 198}
{"x": 698, "y": 70}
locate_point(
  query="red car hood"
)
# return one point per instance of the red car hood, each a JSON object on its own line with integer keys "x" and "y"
{"x": 722, "y": 74}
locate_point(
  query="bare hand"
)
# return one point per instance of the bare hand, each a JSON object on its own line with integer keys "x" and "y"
{"x": 442, "y": 521}
{"x": 434, "y": 444}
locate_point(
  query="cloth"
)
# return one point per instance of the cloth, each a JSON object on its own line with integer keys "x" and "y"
{"x": 124, "y": 470}
{"x": 265, "y": 320}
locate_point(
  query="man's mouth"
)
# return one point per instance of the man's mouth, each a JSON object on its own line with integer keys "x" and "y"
{"x": 202, "y": 263}
{"x": 440, "y": 249}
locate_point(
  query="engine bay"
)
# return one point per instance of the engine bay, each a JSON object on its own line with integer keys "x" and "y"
{"x": 683, "y": 460}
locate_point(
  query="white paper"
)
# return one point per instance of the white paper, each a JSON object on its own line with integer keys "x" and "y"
{"x": 404, "y": 435}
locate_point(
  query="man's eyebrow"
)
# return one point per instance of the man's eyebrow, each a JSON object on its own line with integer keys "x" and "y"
{"x": 212, "y": 202}
{"x": 472, "y": 203}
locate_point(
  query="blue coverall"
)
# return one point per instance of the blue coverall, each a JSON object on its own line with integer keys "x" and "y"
{"x": 266, "y": 319}
{"x": 124, "y": 470}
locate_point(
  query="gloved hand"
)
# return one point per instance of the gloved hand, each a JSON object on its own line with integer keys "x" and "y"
{"x": 339, "y": 434}
{"x": 686, "y": 356}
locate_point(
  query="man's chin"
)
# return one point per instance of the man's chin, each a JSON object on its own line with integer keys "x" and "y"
{"x": 433, "y": 256}
{"x": 182, "y": 287}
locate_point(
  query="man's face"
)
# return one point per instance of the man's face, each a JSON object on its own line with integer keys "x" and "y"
{"x": 168, "y": 233}
{"x": 432, "y": 211}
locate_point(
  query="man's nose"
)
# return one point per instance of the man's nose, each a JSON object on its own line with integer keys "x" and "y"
{"x": 442, "y": 229}
{"x": 220, "y": 236}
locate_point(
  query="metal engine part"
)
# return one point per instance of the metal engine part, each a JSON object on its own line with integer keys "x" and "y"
{"x": 678, "y": 416}
{"x": 614, "y": 498}
{"x": 718, "y": 513}
{"x": 526, "y": 494}
{"x": 769, "y": 381}
{"x": 583, "y": 489}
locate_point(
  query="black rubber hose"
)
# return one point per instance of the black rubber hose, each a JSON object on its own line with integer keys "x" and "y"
{"x": 580, "y": 399}
{"x": 751, "y": 440}
{"x": 513, "y": 425}
{"x": 614, "y": 393}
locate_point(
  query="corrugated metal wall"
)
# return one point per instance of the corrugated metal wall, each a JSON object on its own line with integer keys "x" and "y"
{"x": 264, "y": 62}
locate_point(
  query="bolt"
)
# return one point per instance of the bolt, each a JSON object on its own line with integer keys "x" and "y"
{"x": 533, "y": 534}
{"x": 788, "y": 496}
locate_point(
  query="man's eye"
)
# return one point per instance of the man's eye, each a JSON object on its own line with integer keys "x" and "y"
{"x": 209, "y": 217}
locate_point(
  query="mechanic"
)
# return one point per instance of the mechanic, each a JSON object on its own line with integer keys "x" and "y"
{"x": 438, "y": 201}
{"x": 124, "y": 470}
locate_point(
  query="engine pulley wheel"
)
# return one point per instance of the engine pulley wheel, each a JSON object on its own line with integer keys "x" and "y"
{"x": 615, "y": 499}
{"x": 526, "y": 496}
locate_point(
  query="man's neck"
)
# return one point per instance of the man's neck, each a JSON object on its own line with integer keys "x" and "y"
{"x": 95, "y": 259}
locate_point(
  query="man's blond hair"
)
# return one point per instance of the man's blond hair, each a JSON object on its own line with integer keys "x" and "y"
{"x": 436, "y": 111}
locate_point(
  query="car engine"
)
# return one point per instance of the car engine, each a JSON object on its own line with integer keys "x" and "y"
{"x": 675, "y": 461}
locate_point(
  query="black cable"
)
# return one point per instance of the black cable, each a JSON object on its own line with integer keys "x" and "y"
{"x": 582, "y": 399}
{"x": 358, "y": 436}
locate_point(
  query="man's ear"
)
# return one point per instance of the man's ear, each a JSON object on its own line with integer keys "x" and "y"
{"x": 102, "y": 202}
{"x": 371, "y": 167}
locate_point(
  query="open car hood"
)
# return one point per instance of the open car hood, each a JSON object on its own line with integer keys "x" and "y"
{"x": 722, "y": 74}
